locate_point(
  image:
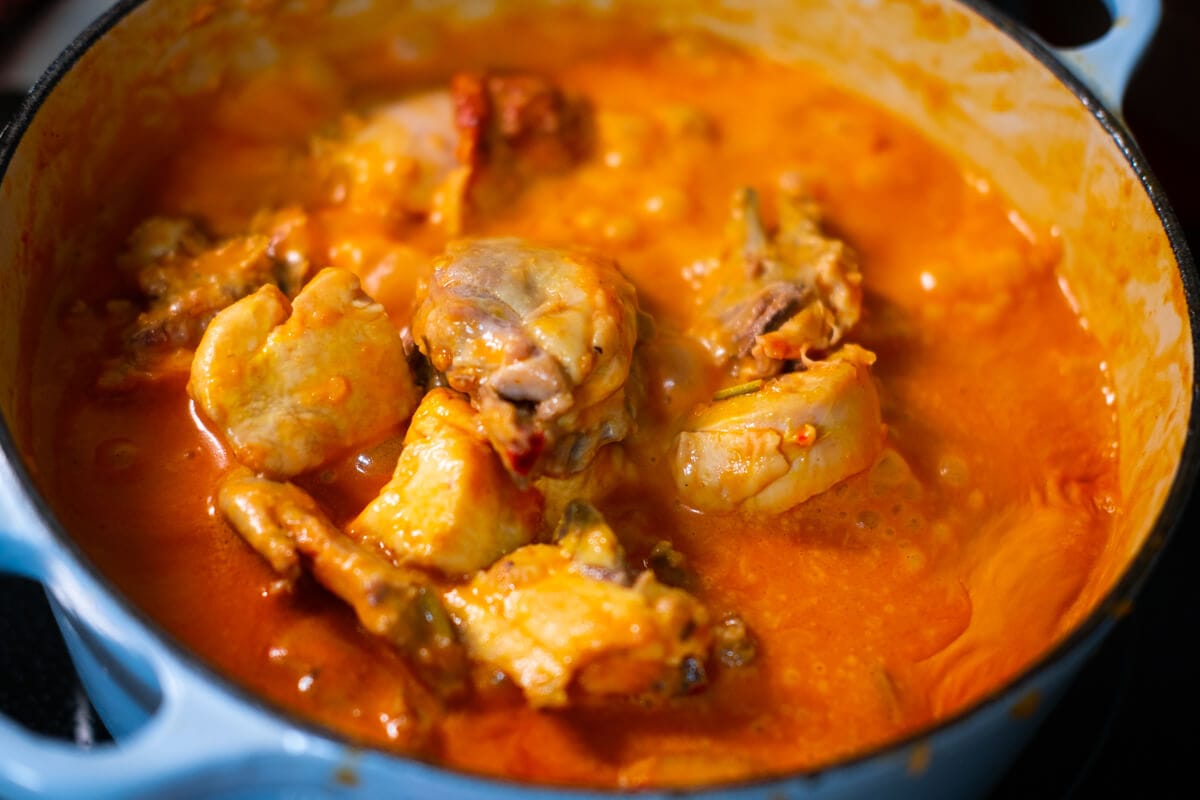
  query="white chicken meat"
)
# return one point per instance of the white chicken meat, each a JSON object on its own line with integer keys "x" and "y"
{"x": 292, "y": 385}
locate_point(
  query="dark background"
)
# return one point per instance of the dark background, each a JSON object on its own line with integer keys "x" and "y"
{"x": 1128, "y": 727}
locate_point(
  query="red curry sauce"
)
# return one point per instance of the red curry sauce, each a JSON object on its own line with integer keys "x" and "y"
{"x": 892, "y": 600}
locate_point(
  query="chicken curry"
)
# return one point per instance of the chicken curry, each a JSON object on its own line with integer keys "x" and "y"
{"x": 668, "y": 417}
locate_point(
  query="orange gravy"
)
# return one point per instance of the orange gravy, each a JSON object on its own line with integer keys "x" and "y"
{"x": 888, "y": 602}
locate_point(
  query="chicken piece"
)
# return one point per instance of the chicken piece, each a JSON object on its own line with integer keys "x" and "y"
{"x": 511, "y": 127}
{"x": 186, "y": 279}
{"x": 541, "y": 340}
{"x": 774, "y": 299}
{"x": 395, "y": 161}
{"x": 289, "y": 245}
{"x": 293, "y": 385}
{"x": 772, "y": 444}
{"x": 570, "y": 615}
{"x": 285, "y": 525}
{"x": 450, "y": 504}
{"x": 610, "y": 469}
{"x": 445, "y": 154}
{"x": 517, "y": 120}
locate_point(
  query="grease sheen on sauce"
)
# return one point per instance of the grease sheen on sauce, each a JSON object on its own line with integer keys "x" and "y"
{"x": 890, "y": 601}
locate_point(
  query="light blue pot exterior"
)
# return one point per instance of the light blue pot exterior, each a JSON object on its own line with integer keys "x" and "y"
{"x": 184, "y": 731}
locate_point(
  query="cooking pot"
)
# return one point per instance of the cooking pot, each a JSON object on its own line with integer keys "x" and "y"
{"x": 984, "y": 90}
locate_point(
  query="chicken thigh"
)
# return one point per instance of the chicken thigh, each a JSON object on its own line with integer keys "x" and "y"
{"x": 541, "y": 340}
{"x": 571, "y": 615}
{"x": 773, "y": 299}
{"x": 771, "y": 444}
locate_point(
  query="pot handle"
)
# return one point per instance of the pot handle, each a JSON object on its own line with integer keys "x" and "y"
{"x": 199, "y": 739}
{"x": 1107, "y": 64}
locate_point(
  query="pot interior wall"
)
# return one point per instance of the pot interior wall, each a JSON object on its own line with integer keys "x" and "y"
{"x": 72, "y": 188}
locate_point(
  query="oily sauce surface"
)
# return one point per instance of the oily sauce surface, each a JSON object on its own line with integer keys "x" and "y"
{"x": 887, "y": 602}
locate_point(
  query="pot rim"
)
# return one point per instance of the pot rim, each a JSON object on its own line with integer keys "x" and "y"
{"x": 1112, "y": 606}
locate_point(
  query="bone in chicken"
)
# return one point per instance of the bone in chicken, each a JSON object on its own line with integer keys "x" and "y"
{"x": 185, "y": 278}
{"x": 286, "y": 526}
{"x": 511, "y": 127}
{"x": 571, "y": 617}
{"x": 774, "y": 298}
{"x": 777, "y": 442}
{"x": 541, "y": 340}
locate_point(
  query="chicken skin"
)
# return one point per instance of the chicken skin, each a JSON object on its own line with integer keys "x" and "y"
{"x": 185, "y": 278}
{"x": 571, "y": 617}
{"x": 771, "y": 444}
{"x": 542, "y": 342}
{"x": 293, "y": 385}
{"x": 288, "y": 529}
